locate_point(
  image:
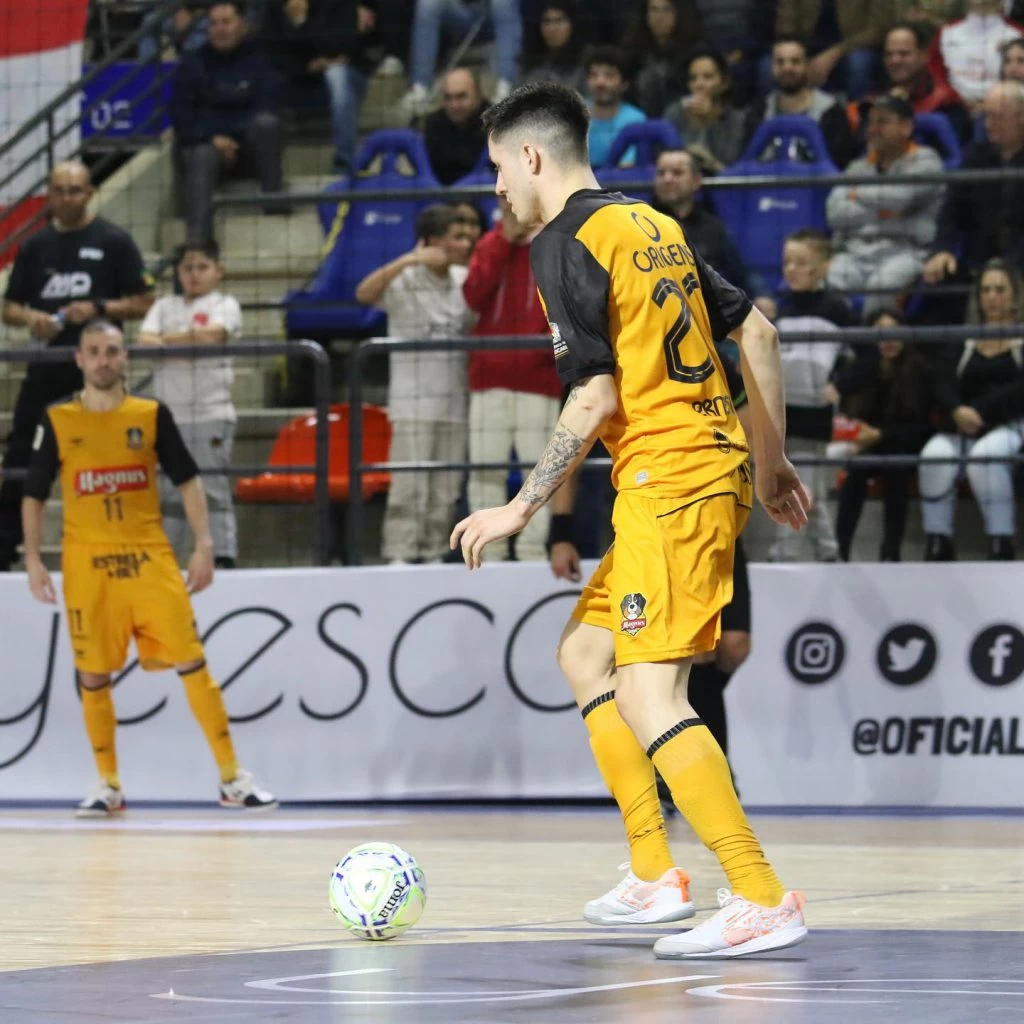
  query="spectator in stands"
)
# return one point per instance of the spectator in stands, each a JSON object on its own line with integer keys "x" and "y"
{"x": 844, "y": 36}
{"x": 793, "y": 94}
{"x": 929, "y": 14}
{"x": 676, "y": 184}
{"x": 198, "y": 392}
{"x": 967, "y": 52}
{"x": 514, "y": 395}
{"x": 741, "y": 30}
{"x": 905, "y": 58}
{"x": 421, "y": 292}
{"x": 607, "y": 83}
{"x": 887, "y": 390}
{"x": 455, "y": 134}
{"x": 78, "y": 267}
{"x": 980, "y": 389}
{"x": 224, "y": 112}
{"x": 882, "y": 233}
{"x": 472, "y": 219}
{"x": 317, "y": 44}
{"x": 986, "y": 219}
{"x": 809, "y": 305}
{"x": 712, "y": 130}
{"x": 555, "y": 53}
{"x": 498, "y": 19}
{"x": 1012, "y": 67}
{"x": 656, "y": 45}
{"x": 185, "y": 30}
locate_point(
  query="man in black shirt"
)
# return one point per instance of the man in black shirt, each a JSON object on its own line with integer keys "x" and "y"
{"x": 77, "y": 268}
{"x": 676, "y": 184}
{"x": 454, "y": 134}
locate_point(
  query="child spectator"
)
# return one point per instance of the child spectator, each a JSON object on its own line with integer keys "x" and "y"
{"x": 887, "y": 391}
{"x": 808, "y": 304}
{"x": 198, "y": 391}
{"x": 421, "y": 292}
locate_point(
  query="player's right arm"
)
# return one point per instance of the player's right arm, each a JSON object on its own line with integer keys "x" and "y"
{"x": 42, "y": 470}
{"x": 779, "y": 488}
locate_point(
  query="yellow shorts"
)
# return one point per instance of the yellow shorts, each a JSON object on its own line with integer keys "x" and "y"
{"x": 114, "y": 592}
{"x": 663, "y": 583}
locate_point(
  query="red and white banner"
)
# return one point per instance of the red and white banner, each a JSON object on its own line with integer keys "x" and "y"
{"x": 40, "y": 56}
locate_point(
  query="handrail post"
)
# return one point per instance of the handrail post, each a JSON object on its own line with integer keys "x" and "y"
{"x": 49, "y": 143}
{"x": 322, "y": 458}
{"x": 354, "y": 521}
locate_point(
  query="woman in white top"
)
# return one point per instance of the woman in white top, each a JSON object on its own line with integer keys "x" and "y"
{"x": 198, "y": 391}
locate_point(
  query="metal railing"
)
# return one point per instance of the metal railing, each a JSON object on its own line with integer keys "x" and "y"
{"x": 47, "y": 117}
{"x": 375, "y": 347}
{"x": 323, "y": 541}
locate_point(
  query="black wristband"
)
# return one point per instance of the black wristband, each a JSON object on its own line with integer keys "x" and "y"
{"x": 560, "y": 530}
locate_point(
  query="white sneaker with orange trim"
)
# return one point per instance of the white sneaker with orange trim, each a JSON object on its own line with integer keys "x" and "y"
{"x": 634, "y": 901}
{"x": 740, "y": 927}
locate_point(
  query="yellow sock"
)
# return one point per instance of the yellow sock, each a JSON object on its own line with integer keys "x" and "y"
{"x": 692, "y": 764}
{"x": 207, "y": 704}
{"x": 629, "y": 776}
{"x": 100, "y": 725}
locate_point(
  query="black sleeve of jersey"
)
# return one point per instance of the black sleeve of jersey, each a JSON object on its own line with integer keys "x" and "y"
{"x": 727, "y": 306}
{"x": 574, "y": 287}
{"x": 737, "y": 390}
{"x": 129, "y": 269}
{"x": 44, "y": 463}
{"x": 19, "y": 283}
{"x": 175, "y": 458}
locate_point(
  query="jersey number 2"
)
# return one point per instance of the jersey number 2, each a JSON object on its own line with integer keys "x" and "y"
{"x": 677, "y": 369}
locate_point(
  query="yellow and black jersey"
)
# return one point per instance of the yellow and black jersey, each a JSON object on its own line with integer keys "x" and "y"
{"x": 626, "y": 295}
{"x": 107, "y": 463}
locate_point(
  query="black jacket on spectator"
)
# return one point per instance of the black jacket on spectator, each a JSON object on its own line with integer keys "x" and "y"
{"x": 216, "y": 93}
{"x": 708, "y": 235}
{"x": 454, "y": 149}
{"x": 986, "y": 218}
{"x": 994, "y": 386}
{"x": 330, "y": 30}
{"x": 899, "y": 405}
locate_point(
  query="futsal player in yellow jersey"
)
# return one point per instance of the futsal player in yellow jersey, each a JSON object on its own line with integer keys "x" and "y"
{"x": 121, "y": 579}
{"x": 634, "y": 313}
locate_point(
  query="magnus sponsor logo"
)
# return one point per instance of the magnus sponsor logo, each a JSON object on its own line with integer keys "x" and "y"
{"x": 111, "y": 481}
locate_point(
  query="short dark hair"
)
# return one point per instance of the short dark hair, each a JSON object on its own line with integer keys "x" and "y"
{"x": 610, "y": 55}
{"x": 795, "y": 39}
{"x": 238, "y": 5}
{"x": 545, "y": 108}
{"x": 210, "y": 249}
{"x": 813, "y": 237}
{"x": 915, "y": 28}
{"x": 890, "y": 311}
{"x": 434, "y": 222}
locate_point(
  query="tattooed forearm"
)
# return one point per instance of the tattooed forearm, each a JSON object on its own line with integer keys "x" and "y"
{"x": 562, "y": 453}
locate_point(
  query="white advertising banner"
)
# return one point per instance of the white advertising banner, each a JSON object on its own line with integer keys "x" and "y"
{"x": 868, "y": 685}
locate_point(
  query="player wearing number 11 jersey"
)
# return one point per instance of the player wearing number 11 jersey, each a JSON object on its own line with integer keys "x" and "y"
{"x": 634, "y": 315}
{"x": 121, "y": 579}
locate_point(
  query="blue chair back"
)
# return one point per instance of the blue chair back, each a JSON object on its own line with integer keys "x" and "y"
{"x": 650, "y": 139}
{"x": 362, "y": 235}
{"x": 936, "y": 131}
{"x": 759, "y": 219}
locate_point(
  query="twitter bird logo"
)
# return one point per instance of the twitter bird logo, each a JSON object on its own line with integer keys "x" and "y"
{"x": 903, "y": 657}
{"x": 906, "y": 654}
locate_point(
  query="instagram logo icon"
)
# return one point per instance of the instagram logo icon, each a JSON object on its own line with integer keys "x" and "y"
{"x": 815, "y": 653}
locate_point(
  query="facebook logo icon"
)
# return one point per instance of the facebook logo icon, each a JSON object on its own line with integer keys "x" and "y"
{"x": 997, "y": 655}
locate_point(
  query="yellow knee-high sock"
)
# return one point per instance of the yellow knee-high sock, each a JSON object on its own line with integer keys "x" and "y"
{"x": 629, "y": 776}
{"x": 207, "y": 704}
{"x": 100, "y": 725}
{"x": 692, "y": 764}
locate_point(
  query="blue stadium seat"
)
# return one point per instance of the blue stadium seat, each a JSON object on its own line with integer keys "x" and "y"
{"x": 483, "y": 174}
{"x": 759, "y": 219}
{"x": 361, "y": 236}
{"x": 936, "y": 131}
{"x": 649, "y": 138}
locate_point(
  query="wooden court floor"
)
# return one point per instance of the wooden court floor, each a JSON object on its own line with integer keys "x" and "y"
{"x": 190, "y": 883}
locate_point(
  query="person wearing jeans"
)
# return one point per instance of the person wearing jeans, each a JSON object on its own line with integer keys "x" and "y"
{"x": 499, "y": 20}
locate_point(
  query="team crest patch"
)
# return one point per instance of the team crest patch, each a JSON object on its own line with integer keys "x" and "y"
{"x": 557, "y": 341}
{"x": 134, "y": 435}
{"x": 632, "y": 608}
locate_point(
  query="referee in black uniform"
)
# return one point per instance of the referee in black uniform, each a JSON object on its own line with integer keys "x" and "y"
{"x": 78, "y": 267}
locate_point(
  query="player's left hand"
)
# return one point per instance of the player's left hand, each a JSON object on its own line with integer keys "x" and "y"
{"x": 475, "y": 532}
{"x": 783, "y": 494}
{"x": 200, "y": 570}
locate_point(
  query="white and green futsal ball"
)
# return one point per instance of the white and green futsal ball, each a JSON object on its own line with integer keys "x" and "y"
{"x": 377, "y": 890}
